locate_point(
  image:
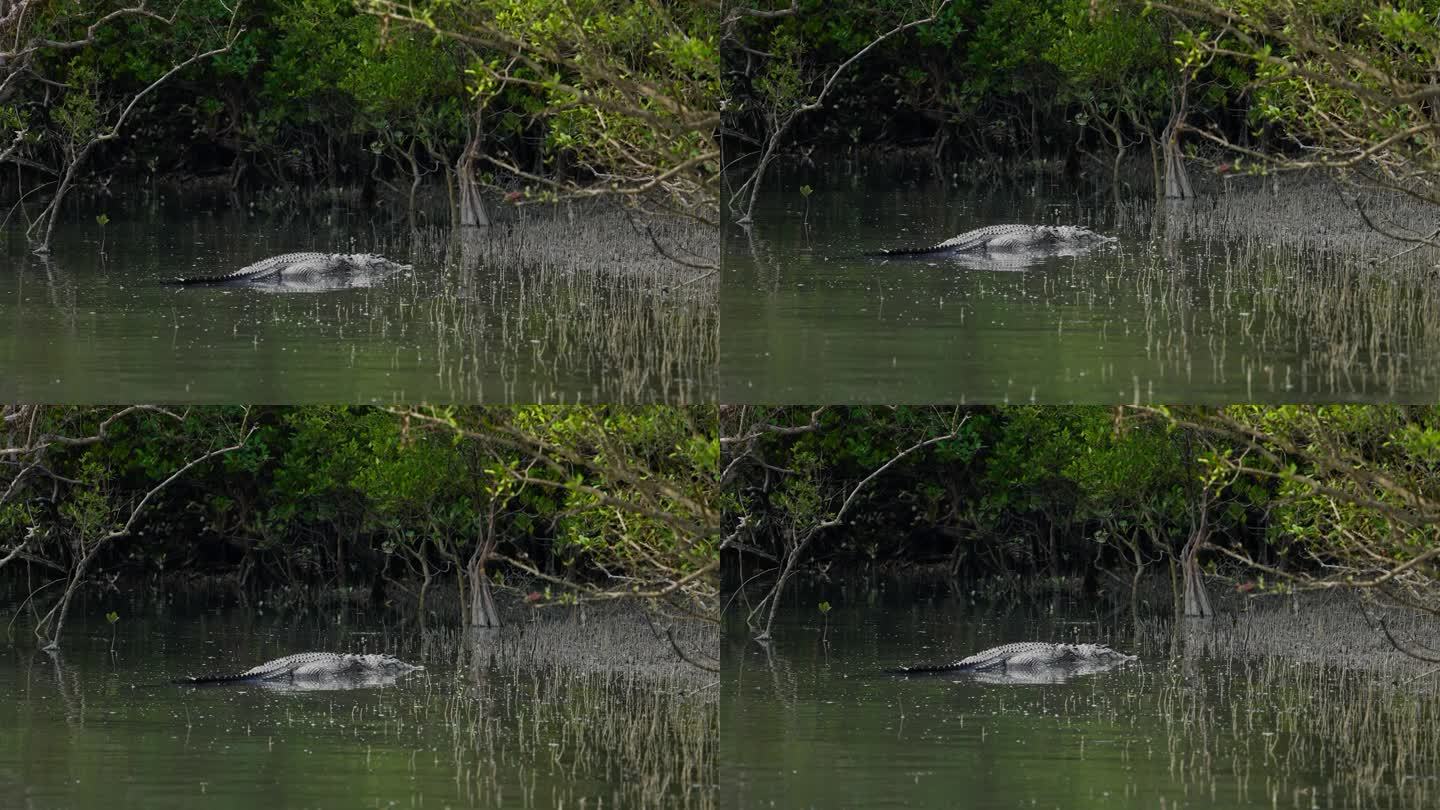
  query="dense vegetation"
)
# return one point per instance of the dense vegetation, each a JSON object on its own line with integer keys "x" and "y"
{"x": 1330, "y": 497}
{"x": 985, "y": 77}
{"x": 538, "y": 98}
{"x": 555, "y": 503}
{"x": 1342, "y": 84}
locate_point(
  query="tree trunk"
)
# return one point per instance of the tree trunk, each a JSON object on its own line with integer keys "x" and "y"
{"x": 1177, "y": 181}
{"x": 1197, "y": 602}
{"x": 482, "y": 604}
{"x": 1054, "y": 552}
{"x": 447, "y": 169}
{"x": 426, "y": 577}
{"x": 1135, "y": 582}
{"x": 771, "y": 144}
{"x": 791, "y": 558}
{"x": 416, "y": 175}
{"x": 53, "y": 210}
{"x": 77, "y": 577}
{"x": 1159, "y": 177}
{"x": 472, "y": 207}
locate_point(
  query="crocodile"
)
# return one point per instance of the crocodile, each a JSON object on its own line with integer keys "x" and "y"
{"x": 1028, "y": 656}
{"x": 315, "y": 667}
{"x": 1003, "y": 238}
{"x": 305, "y": 271}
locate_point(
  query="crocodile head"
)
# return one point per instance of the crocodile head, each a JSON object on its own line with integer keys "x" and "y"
{"x": 1098, "y": 652}
{"x": 370, "y": 263}
{"x": 385, "y": 664}
{"x": 1075, "y": 233}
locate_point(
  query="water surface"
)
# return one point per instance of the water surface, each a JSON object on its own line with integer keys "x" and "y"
{"x": 542, "y": 720}
{"x": 811, "y": 719}
{"x": 561, "y": 306}
{"x": 1251, "y": 296}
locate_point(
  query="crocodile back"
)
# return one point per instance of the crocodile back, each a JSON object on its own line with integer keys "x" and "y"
{"x": 305, "y": 272}
{"x": 987, "y": 238}
{"x": 993, "y": 658}
{"x": 1006, "y": 237}
{"x": 314, "y": 666}
{"x": 970, "y": 240}
{"x": 308, "y": 663}
{"x": 1025, "y": 655}
{"x": 278, "y": 668}
{"x": 254, "y": 272}
{"x": 307, "y": 269}
{"x": 1015, "y": 237}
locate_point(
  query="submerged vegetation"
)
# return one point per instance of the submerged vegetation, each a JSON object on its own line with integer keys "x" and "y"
{"x": 548, "y": 504}
{"x": 1255, "y": 498}
{"x": 584, "y": 705}
{"x": 1294, "y": 700}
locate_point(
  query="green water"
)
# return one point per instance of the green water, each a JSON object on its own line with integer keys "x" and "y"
{"x": 527, "y": 728}
{"x": 474, "y": 321}
{"x": 1193, "y": 314}
{"x": 812, "y": 721}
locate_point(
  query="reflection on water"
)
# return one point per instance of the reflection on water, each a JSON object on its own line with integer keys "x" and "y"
{"x": 363, "y": 680}
{"x": 1207, "y": 718}
{"x": 999, "y": 261}
{"x": 1021, "y": 676}
{"x": 563, "y": 305}
{"x": 1244, "y": 295}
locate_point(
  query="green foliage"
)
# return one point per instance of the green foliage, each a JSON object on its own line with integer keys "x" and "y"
{"x": 1013, "y": 477}
{"x": 1351, "y": 482}
{"x": 311, "y": 86}
{"x": 318, "y": 487}
{"x": 1004, "y": 76}
{"x": 604, "y": 514}
{"x": 1340, "y": 78}
{"x": 1116, "y": 61}
{"x": 1340, "y": 494}
{"x": 78, "y": 113}
{"x": 781, "y": 85}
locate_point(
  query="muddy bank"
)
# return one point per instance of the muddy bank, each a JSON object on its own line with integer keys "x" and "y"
{"x": 607, "y": 687}
{"x": 1312, "y": 214}
{"x": 618, "y": 638}
{"x": 1332, "y": 629}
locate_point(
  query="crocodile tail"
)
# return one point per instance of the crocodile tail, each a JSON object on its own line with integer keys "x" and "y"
{"x": 238, "y": 275}
{"x": 970, "y": 240}
{"x": 204, "y": 679}
{"x": 195, "y": 280}
{"x": 925, "y": 669}
{"x": 920, "y": 251}
{"x": 944, "y": 247}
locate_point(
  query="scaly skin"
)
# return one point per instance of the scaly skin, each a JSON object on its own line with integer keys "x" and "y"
{"x": 314, "y": 666}
{"x": 299, "y": 267}
{"x": 1026, "y": 654}
{"x": 1007, "y": 237}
